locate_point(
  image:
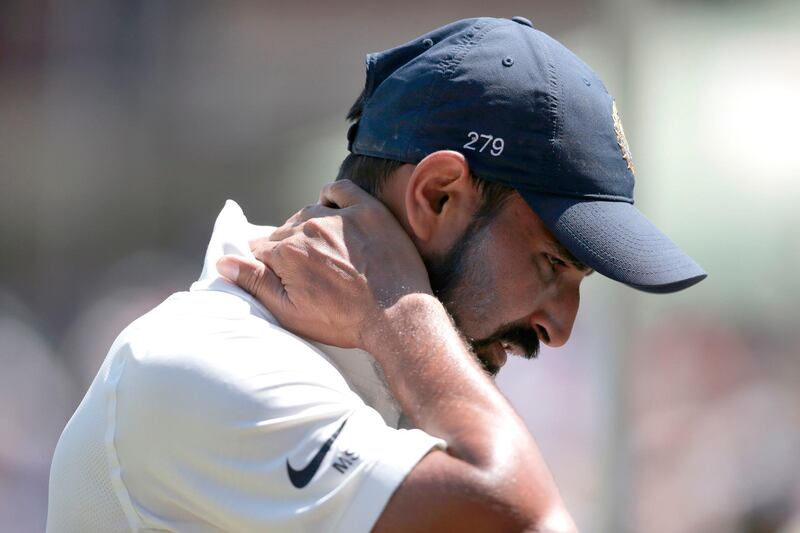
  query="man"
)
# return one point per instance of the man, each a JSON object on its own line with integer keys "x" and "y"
{"x": 504, "y": 178}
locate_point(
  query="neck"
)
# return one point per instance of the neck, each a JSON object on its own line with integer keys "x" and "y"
{"x": 393, "y": 194}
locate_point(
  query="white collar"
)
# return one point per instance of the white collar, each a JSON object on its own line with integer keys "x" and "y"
{"x": 231, "y": 236}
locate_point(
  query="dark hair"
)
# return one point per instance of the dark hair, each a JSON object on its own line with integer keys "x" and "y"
{"x": 370, "y": 173}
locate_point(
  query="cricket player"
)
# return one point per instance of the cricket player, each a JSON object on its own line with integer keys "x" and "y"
{"x": 333, "y": 374}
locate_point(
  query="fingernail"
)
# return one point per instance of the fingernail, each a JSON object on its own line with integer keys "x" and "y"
{"x": 228, "y": 268}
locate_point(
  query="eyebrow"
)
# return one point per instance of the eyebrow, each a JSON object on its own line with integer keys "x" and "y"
{"x": 571, "y": 259}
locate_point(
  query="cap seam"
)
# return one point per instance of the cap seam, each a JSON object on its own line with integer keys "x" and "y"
{"x": 577, "y": 194}
{"x": 563, "y": 193}
{"x": 468, "y": 42}
{"x": 445, "y": 68}
{"x": 385, "y": 155}
{"x": 553, "y": 98}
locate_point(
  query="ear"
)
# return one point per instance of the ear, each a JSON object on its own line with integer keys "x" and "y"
{"x": 440, "y": 200}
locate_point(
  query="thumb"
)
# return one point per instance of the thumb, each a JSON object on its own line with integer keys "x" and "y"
{"x": 253, "y": 276}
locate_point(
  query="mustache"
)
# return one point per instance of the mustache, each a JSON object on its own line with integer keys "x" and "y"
{"x": 520, "y": 337}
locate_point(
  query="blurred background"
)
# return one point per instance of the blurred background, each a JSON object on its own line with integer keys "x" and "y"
{"x": 125, "y": 125}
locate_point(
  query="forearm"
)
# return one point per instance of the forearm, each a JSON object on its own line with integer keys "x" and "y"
{"x": 442, "y": 389}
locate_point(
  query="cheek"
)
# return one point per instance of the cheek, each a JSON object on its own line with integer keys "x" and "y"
{"x": 518, "y": 284}
{"x": 481, "y": 296}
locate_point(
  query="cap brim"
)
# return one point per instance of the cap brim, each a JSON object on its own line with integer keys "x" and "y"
{"x": 617, "y": 240}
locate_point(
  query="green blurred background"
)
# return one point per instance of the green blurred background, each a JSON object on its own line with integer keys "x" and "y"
{"x": 125, "y": 125}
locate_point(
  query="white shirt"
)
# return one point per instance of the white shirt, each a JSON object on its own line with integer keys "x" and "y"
{"x": 208, "y": 416}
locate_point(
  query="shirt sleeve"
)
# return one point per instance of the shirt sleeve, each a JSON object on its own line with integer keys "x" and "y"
{"x": 232, "y": 439}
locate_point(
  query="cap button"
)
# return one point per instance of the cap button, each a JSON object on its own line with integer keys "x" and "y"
{"x": 523, "y": 21}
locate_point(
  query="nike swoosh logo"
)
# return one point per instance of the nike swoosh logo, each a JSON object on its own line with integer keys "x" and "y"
{"x": 301, "y": 478}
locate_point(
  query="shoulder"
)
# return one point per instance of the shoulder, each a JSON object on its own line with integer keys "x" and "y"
{"x": 199, "y": 358}
{"x": 219, "y": 334}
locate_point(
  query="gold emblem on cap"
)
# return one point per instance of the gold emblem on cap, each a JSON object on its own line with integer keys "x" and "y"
{"x": 621, "y": 140}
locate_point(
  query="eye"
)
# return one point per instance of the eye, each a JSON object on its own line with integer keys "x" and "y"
{"x": 555, "y": 261}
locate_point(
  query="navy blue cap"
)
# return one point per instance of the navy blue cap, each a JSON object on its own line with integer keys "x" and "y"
{"x": 528, "y": 113}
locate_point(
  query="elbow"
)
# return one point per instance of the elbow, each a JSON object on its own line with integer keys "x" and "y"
{"x": 519, "y": 493}
{"x": 557, "y": 520}
{"x": 536, "y": 504}
{"x": 529, "y": 511}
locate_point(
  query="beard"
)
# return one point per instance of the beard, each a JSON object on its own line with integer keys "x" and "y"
{"x": 462, "y": 280}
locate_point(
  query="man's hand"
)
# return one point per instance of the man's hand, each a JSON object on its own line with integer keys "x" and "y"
{"x": 333, "y": 267}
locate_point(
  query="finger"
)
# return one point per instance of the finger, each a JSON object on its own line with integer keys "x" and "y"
{"x": 262, "y": 248}
{"x": 310, "y": 211}
{"x": 289, "y": 228}
{"x": 343, "y": 193}
{"x": 254, "y": 277}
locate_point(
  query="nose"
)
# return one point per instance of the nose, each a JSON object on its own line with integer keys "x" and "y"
{"x": 554, "y": 320}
